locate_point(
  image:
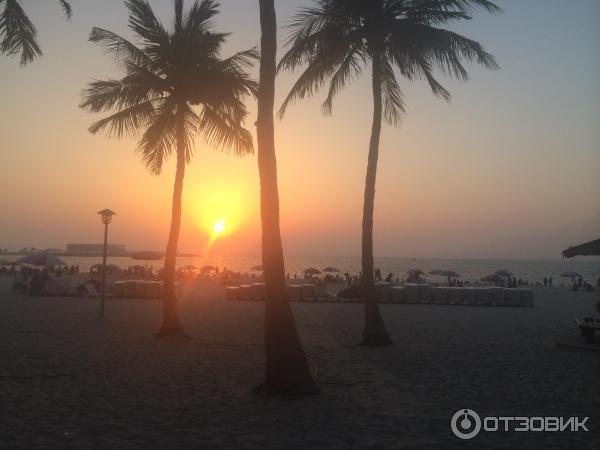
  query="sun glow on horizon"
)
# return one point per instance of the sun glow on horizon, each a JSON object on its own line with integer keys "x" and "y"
{"x": 219, "y": 211}
{"x": 219, "y": 227}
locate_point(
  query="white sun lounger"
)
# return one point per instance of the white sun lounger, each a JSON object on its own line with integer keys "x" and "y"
{"x": 397, "y": 294}
{"x": 439, "y": 295}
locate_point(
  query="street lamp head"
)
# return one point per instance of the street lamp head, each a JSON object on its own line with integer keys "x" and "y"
{"x": 107, "y": 215}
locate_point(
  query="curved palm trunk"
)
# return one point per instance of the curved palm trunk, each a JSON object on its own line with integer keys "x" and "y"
{"x": 286, "y": 367}
{"x": 170, "y": 325}
{"x": 374, "y": 331}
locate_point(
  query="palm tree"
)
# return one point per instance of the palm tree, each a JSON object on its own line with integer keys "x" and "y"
{"x": 175, "y": 86}
{"x": 18, "y": 34}
{"x": 338, "y": 38}
{"x": 286, "y": 368}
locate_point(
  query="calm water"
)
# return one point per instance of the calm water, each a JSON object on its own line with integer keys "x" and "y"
{"x": 470, "y": 269}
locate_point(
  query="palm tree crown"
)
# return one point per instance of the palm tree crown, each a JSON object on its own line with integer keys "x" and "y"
{"x": 18, "y": 34}
{"x": 337, "y": 38}
{"x": 171, "y": 72}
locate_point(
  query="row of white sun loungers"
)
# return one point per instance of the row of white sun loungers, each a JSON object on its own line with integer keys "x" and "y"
{"x": 439, "y": 295}
{"x": 407, "y": 294}
{"x": 298, "y": 292}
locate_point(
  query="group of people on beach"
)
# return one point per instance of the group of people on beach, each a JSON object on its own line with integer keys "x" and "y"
{"x": 32, "y": 280}
{"x": 580, "y": 284}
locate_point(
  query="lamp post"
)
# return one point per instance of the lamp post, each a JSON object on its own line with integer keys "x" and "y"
{"x": 106, "y": 215}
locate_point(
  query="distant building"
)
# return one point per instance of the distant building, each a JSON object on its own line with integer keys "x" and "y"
{"x": 111, "y": 249}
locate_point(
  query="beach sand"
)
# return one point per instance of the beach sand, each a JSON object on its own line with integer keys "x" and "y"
{"x": 71, "y": 380}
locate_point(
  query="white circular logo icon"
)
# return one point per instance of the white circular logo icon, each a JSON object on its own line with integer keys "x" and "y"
{"x": 465, "y": 424}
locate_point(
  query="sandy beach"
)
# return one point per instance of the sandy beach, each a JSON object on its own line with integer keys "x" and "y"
{"x": 71, "y": 380}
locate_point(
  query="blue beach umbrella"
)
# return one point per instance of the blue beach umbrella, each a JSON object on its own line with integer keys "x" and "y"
{"x": 435, "y": 272}
{"x": 331, "y": 269}
{"x": 312, "y": 271}
{"x": 504, "y": 273}
{"x": 493, "y": 278}
{"x": 571, "y": 274}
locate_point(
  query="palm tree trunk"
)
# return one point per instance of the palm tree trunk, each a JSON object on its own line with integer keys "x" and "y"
{"x": 286, "y": 367}
{"x": 170, "y": 325}
{"x": 374, "y": 331}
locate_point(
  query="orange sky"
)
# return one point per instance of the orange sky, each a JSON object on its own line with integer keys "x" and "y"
{"x": 509, "y": 169}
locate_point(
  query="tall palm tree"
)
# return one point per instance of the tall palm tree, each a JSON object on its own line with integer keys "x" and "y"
{"x": 18, "y": 34}
{"x": 175, "y": 86}
{"x": 336, "y": 39}
{"x": 286, "y": 368}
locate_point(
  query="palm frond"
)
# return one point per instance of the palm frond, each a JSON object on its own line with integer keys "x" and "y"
{"x": 223, "y": 133}
{"x": 199, "y": 16}
{"x": 159, "y": 139}
{"x": 118, "y": 46}
{"x": 145, "y": 24}
{"x": 393, "y": 99}
{"x": 17, "y": 33}
{"x": 465, "y": 6}
{"x": 350, "y": 67}
{"x": 125, "y": 122}
{"x": 104, "y": 95}
{"x": 67, "y": 9}
{"x": 243, "y": 60}
{"x": 442, "y": 48}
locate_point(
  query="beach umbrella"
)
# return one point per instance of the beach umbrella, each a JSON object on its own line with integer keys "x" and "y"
{"x": 312, "y": 271}
{"x": 504, "y": 273}
{"x": 41, "y": 259}
{"x": 571, "y": 274}
{"x": 330, "y": 269}
{"x": 257, "y": 268}
{"x": 493, "y": 278}
{"x": 207, "y": 268}
{"x": 585, "y": 249}
{"x": 435, "y": 272}
{"x": 450, "y": 273}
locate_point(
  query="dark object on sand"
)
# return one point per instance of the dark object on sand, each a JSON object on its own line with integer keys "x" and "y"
{"x": 586, "y": 249}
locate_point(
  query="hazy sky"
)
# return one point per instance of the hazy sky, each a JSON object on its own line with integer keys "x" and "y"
{"x": 509, "y": 169}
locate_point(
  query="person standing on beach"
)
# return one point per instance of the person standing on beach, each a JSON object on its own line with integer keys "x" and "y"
{"x": 545, "y": 281}
{"x": 550, "y": 281}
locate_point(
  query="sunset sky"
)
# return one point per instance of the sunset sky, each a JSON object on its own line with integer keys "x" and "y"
{"x": 509, "y": 169}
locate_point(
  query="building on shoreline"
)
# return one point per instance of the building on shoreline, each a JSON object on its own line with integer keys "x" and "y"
{"x": 87, "y": 249}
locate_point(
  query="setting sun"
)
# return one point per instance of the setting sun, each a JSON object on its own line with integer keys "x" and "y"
{"x": 219, "y": 227}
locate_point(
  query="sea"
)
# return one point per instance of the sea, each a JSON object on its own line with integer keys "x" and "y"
{"x": 469, "y": 269}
